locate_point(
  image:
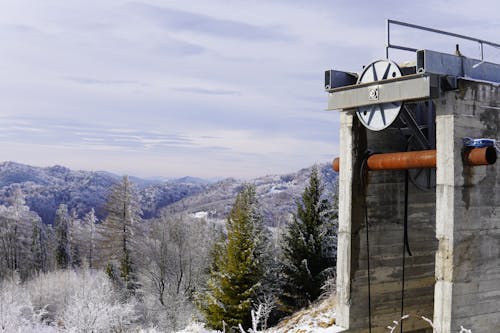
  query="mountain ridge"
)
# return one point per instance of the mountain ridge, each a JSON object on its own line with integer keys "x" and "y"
{"x": 47, "y": 187}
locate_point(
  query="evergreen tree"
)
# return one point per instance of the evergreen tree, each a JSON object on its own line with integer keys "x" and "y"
{"x": 237, "y": 266}
{"x": 39, "y": 246}
{"x": 61, "y": 224}
{"x": 119, "y": 228}
{"x": 307, "y": 258}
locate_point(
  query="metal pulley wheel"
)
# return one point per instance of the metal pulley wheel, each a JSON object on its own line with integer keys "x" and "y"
{"x": 377, "y": 117}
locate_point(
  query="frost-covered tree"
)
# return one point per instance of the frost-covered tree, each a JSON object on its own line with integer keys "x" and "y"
{"x": 74, "y": 231}
{"x": 88, "y": 238}
{"x": 61, "y": 225}
{"x": 175, "y": 256}
{"x": 307, "y": 257}
{"x": 119, "y": 229}
{"x": 238, "y": 267}
{"x": 17, "y": 313}
{"x": 82, "y": 300}
{"x": 39, "y": 247}
{"x": 93, "y": 305}
{"x": 15, "y": 235}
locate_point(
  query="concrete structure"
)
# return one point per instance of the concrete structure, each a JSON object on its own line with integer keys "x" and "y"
{"x": 453, "y": 277}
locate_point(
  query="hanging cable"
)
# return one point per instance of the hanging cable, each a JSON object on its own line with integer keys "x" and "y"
{"x": 362, "y": 175}
{"x": 406, "y": 247}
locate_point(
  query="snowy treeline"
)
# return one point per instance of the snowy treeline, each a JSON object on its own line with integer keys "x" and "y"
{"x": 45, "y": 269}
{"x": 81, "y": 300}
{"x": 46, "y": 188}
{"x": 123, "y": 273}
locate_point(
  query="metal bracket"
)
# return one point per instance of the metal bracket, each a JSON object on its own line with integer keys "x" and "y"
{"x": 336, "y": 79}
{"x": 419, "y": 136}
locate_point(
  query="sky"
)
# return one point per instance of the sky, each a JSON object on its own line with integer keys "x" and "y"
{"x": 210, "y": 89}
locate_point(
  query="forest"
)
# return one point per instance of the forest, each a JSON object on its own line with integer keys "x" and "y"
{"x": 127, "y": 273}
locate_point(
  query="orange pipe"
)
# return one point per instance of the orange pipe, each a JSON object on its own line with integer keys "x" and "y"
{"x": 336, "y": 164}
{"x": 401, "y": 161}
{"x": 422, "y": 159}
{"x": 481, "y": 156}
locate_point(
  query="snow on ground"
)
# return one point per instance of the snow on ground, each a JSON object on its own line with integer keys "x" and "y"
{"x": 200, "y": 215}
{"x": 318, "y": 318}
{"x": 196, "y": 328}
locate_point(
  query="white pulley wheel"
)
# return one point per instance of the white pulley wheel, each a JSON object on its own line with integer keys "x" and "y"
{"x": 377, "y": 117}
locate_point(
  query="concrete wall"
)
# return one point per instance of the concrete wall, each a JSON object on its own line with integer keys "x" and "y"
{"x": 468, "y": 214}
{"x": 454, "y": 231}
{"x": 385, "y": 202}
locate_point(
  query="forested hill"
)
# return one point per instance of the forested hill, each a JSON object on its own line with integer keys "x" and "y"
{"x": 277, "y": 195}
{"x": 46, "y": 188}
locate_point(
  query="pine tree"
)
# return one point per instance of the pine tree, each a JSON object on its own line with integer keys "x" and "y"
{"x": 61, "y": 224}
{"x": 237, "y": 266}
{"x": 39, "y": 246}
{"x": 119, "y": 228}
{"x": 307, "y": 258}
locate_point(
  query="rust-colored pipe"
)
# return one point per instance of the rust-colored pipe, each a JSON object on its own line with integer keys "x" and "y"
{"x": 481, "y": 156}
{"x": 401, "y": 161}
{"x": 422, "y": 159}
{"x": 336, "y": 164}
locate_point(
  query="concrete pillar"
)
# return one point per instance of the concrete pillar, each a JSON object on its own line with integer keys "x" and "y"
{"x": 467, "y": 290}
{"x": 352, "y": 147}
{"x": 454, "y": 231}
{"x": 344, "y": 218}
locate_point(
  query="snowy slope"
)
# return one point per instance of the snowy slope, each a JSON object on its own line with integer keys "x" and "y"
{"x": 318, "y": 318}
{"x": 277, "y": 196}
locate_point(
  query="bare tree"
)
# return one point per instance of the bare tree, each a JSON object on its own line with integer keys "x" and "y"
{"x": 175, "y": 260}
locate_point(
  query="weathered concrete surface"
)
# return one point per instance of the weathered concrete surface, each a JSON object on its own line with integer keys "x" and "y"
{"x": 467, "y": 291}
{"x": 353, "y": 144}
{"x": 385, "y": 202}
{"x": 454, "y": 232}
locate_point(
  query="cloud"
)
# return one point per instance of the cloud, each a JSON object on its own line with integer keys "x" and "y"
{"x": 166, "y": 87}
{"x": 204, "y": 91}
{"x": 88, "y": 80}
{"x": 180, "y": 20}
{"x": 176, "y": 47}
{"x": 19, "y": 28}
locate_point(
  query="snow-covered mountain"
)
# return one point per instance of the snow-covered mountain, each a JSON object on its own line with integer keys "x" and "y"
{"x": 46, "y": 188}
{"x": 277, "y": 195}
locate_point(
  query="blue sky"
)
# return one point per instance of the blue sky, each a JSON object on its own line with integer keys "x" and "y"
{"x": 202, "y": 88}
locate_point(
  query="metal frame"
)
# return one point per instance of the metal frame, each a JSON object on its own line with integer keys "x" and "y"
{"x": 406, "y": 88}
{"x": 437, "y": 31}
{"x": 456, "y": 66}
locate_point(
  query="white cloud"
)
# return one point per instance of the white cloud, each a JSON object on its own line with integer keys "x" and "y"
{"x": 239, "y": 102}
